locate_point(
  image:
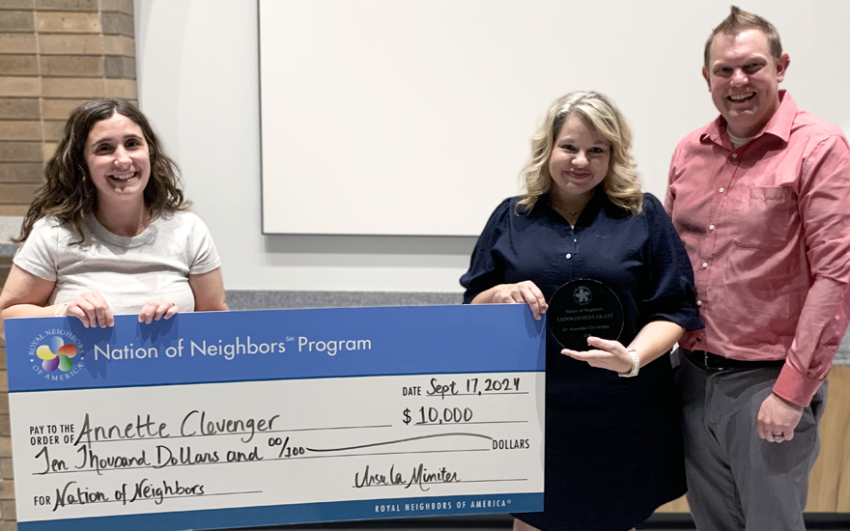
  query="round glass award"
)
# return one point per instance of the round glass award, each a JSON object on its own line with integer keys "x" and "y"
{"x": 584, "y": 308}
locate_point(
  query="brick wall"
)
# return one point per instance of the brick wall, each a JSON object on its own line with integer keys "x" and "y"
{"x": 7, "y": 477}
{"x": 7, "y": 483}
{"x": 54, "y": 55}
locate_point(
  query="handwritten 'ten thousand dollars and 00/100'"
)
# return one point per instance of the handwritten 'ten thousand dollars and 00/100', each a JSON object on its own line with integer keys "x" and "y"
{"x": 251, "y": 446}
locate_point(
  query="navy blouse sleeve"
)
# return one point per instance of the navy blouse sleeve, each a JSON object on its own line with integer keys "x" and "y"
{"x": 668, "y": 291}
{"x": 486, "y": 267}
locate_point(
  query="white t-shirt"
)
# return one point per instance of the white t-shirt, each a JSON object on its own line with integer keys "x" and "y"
{"x": 128, "y": 272}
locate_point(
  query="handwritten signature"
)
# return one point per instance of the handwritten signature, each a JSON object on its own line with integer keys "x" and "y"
{"x": 420, "y": 476}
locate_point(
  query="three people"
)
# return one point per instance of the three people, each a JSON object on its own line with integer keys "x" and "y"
{"x": 760, "y": 198}
{"x": 109, "y": 232}
{"x": 613, "y": 444}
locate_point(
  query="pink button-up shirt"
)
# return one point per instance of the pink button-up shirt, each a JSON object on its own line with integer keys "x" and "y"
{"x": 767, "y": 228}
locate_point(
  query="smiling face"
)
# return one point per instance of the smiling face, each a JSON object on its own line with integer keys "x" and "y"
{"x": 118, "y": 160}
{"x": 579, "y": 160}
{"x": 744, "y": 78}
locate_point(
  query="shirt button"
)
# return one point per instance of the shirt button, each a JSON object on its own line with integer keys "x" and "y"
{"x": 574, "y": 240}
{"x": 704, "y": 265}
{"x": 734, "y": 155}
{"x": 711, "y": 227}
{"x": 569, "y": 256}
{"x": 699, "y": 303}
{"x": 722, "y": 190}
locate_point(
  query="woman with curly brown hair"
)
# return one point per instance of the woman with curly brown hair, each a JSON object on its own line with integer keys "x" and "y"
{"x": 109, "y": 232}
{"x": 613, "y": 443}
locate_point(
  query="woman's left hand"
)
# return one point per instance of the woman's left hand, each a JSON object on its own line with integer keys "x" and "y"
{"x": 157, "y": 310}
{"x": 610, "y": 355}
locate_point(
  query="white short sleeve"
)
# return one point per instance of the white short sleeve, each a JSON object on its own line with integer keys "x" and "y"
{"x": 204, "y": 255}
{"x": 38, "y": 254}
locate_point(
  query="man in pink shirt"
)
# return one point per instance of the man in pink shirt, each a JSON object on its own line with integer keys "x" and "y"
{"x": 761, "y": 200}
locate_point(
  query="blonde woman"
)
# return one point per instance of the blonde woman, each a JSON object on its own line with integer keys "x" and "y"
{"x": 613, "y": 441}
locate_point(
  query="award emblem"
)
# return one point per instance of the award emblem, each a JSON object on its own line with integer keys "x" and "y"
{"x": 584, "y": 308}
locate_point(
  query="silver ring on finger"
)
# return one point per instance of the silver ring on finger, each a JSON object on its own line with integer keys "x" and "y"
{"x": 778, "y": 437}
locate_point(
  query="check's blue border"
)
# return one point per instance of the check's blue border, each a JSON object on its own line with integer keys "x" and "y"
{"x": 291, "y": 514}
{"x": 402, "y": 340}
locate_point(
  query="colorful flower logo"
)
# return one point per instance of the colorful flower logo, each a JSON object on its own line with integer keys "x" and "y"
{"x": 56, "y": 355}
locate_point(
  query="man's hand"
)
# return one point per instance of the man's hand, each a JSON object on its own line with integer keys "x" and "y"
{"x": 777, "y": 419}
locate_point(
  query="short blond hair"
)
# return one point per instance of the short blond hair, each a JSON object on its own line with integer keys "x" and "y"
{"x": 621, "y": 183}
{"x": 739, "y": 21}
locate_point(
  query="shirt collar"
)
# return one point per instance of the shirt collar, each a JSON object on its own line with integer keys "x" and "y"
{"x": 597, "y": 202}
{"x": 779, "y": 125}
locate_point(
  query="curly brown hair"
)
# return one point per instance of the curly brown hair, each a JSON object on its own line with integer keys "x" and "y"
{"x": 69, "y": 194}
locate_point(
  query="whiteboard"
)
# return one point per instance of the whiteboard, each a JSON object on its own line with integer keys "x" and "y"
{"x": 414, "y": 117}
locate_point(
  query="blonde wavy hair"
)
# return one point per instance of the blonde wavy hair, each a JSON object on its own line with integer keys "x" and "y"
{"x": 621, "y": 184}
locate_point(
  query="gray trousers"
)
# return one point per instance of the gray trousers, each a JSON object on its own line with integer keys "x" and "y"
{"x": 737, "y": 481}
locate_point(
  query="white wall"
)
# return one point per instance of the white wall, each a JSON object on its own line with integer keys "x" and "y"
{"x": 198, "y": 83}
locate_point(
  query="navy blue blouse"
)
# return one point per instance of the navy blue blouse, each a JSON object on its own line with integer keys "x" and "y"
{"x": 639, "y": 256}
{"x": 613, "y": 445}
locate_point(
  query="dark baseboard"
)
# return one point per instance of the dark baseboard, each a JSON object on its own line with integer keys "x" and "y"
{"x": 679, "y": 521}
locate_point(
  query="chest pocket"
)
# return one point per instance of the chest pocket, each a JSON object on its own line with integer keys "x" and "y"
{"x": 764, "y": 217}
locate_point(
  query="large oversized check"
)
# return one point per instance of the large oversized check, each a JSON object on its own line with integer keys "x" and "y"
{"x": 256, "y": 418}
